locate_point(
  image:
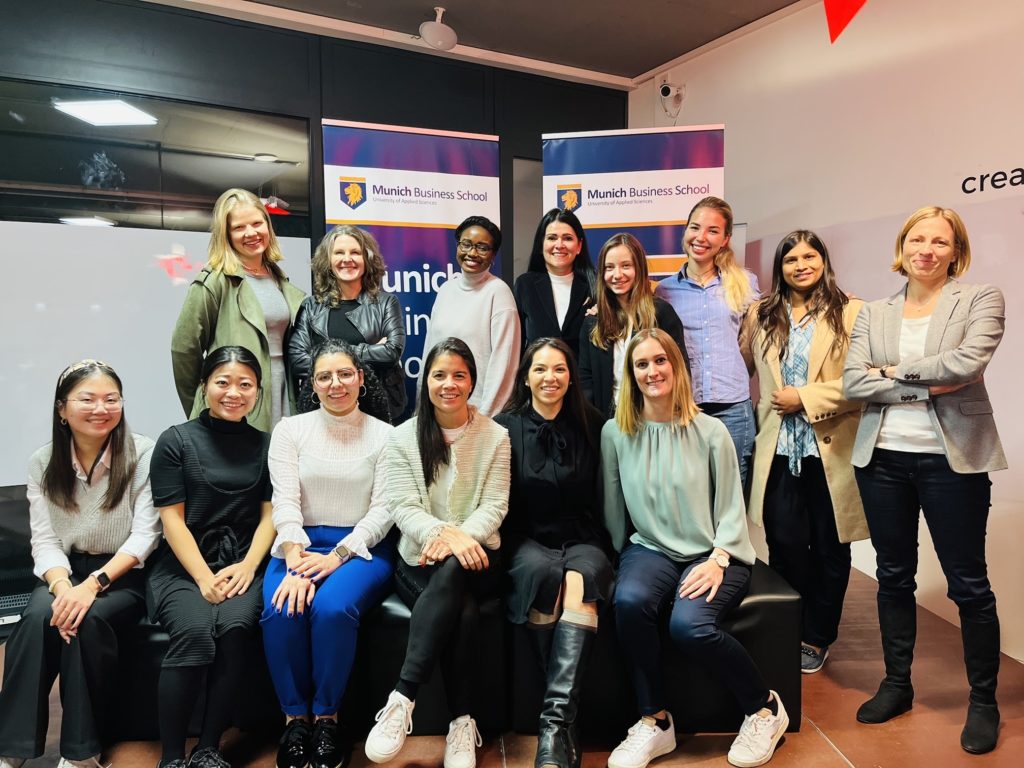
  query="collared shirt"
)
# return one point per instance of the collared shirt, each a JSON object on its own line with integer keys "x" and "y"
{"x": 711, "y": 331}
{"x": 101, "y": 468}
{"x": 796, "y": 435}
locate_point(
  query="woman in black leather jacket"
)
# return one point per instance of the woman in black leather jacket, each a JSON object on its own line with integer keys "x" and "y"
{"x": 348, "y": 304}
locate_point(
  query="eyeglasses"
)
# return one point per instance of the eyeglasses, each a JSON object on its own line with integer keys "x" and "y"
{"x": 468, "y": 245}
{"x": 344, "y": 376}
{"x": 112, "y": 403}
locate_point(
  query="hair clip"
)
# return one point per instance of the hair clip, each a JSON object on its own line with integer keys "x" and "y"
{"x": 79, "y": 366}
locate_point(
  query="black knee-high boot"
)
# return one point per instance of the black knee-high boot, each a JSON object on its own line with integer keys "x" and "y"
{"x": 898, "y": 621}
{"x": 570, "y": 649}
{"x": 981, "y": 656}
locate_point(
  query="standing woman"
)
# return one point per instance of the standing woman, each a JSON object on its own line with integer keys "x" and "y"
{"x": 241, "y": 297}
{"x": 560, "y": 282}
{"x": 625, "y": 305}
{"x": 554, "y": 543}
{"x": 212, "y": 487}
{"x": 711, "y": 294}
{"x": 478, "y": 308}
{"x": 329, "y": 563}
{"x": 796, "y": 339}
{"x": 93, "y": 525}
{"x": 448, "y": 483}
{"x": 927, "y": 441}
{"x": 671, "y": 472}
{"x": 348, "y": 304}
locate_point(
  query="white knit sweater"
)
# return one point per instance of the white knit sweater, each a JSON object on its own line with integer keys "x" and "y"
{"x": 326, "y": 470}
{"x": 477, "y": 498}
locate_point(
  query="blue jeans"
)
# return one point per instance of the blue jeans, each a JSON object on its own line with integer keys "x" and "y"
{"x": 896, "y": 487}
{"x": 648, "y": 582}
{"x": 739, "y": 420}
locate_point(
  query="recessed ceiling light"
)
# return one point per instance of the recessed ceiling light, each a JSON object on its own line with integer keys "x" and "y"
{"x": 88, "y": 221}
{"x": 265, "y": 157}
{"x": 105, "y": 112}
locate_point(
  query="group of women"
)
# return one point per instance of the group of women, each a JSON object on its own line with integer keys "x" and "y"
{"x": 583, "y": 439}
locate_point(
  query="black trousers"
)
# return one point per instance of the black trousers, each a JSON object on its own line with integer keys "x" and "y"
{"x": 804, "y": 546}
{"x": 36, "y": 654}
{"x": 445, "y": 602}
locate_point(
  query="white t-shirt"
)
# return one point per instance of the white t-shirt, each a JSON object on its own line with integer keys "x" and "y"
{"x": 907, "y": 426}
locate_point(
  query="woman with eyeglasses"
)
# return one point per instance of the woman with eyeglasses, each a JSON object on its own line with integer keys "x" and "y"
{"x": 241, "y": 297}
{"x": 330, "y": 563}
{"x": 348, "y": 304}
{"x": 212, "y": 488}
{"x": 553, "y": 295}
{"x": 93, "y": 526}
{"x": 479, "y": 308}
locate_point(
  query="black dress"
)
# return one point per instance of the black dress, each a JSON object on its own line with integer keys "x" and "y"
{"x": 554, "y": 511}
{"x": 219, "y": 470}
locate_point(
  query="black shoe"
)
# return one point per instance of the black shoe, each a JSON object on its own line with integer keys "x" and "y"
{"x": 207, "y": 757}
{"x": 890, "y": 701}
{"x": 179, "y": 763}
{"x": 328, "y": 749}
{"x": 293, "y": 749}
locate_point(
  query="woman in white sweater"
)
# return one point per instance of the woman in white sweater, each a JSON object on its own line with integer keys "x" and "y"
{"x": 448, "y": 485}
{"x": 330, "y": 563}
{"x": 93, "y": 525}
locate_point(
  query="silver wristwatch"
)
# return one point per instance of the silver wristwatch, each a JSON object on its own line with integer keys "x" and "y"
{"x": 722, "y": 561}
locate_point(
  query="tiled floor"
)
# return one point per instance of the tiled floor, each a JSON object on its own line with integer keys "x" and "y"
{"x": 927, "y": 737}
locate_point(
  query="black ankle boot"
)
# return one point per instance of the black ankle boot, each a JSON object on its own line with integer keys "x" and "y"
{"x": 897, "y": 619}
{"x": 981, "y": 656}
{"x": 556, "y": 741}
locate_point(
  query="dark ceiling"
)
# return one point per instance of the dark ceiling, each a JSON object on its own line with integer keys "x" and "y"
{"x": 624, "y": 38}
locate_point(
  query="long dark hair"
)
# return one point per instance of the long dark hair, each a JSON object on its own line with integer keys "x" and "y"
{"x": 825, "y": 300}
{"x": 580, "y": 414}
{"x": 582, "y": 266}
{"x": 434, "y": 451}
{"x": 58, "y": 483}
{"x": 372, "y": 401}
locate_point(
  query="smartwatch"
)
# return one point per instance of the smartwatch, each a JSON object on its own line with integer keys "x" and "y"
{"x": 343, "y": 553}
{"x": 102, "y": 579}
{"x": 722, "y": 561}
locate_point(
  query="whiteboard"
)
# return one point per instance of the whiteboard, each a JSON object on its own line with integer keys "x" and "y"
{"x": 108, "y": 293}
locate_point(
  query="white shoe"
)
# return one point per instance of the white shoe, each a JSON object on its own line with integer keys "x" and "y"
{"x": 12, "y": 762}
{"x": 758, "y": 737}
{"x": 394, "y": 723}
{"x": 460, "y": 746}
{"x": 89, "y": 762}
{"x": 644, "y": 742}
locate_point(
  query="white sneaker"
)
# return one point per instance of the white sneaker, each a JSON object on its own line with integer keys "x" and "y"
{"x": 394, "y": 723}
{"x": 644, "y": 742}
{"x": 12, "y": 762}
{"x": 89, "y": 762}
{"x": 758, "y": 737}
{"x": 463, "y": 739}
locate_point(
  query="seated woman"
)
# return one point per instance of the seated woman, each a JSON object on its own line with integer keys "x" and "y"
{"x": 625, "y": 305}
{"x": 671, "y": 472}
{"x": 212, "y": 487}
{"x": 554, "y": 544}
{"x": 331, "y": 519}
{"x": 93, "y": 525}
{"x": 448, "y": 482}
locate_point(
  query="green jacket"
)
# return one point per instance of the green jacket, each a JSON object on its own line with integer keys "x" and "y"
{"x": 220, "y": 310}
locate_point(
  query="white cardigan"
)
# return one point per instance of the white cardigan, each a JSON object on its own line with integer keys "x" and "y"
{"x": 477, "y": 499}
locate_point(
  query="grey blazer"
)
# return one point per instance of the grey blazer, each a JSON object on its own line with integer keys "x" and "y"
{"x": 965, "y": 329}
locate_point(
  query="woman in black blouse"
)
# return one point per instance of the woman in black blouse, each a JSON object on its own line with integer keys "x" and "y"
{"x": 559, "y": 567}
{"x": 212, "y": 486}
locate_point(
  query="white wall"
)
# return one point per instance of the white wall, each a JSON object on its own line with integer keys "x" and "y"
{"x": 848, "y": 139}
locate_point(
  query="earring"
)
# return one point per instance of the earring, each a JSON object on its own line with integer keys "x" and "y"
{"x": 63, "y": 421}
{"x": 362, "y": 390}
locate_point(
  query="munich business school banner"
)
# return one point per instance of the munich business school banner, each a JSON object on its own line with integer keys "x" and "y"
{"x": 410, "y": 188}
{"x": 639, "y": 181}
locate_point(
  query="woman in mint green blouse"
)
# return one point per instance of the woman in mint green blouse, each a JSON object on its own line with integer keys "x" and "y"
{"x": 672, "y": 472}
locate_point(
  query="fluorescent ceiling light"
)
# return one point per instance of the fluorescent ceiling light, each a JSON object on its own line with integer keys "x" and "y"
{"x": 88, "y": 221}
{"x": 105, "y": 112}
{"x": 265, "y": 157}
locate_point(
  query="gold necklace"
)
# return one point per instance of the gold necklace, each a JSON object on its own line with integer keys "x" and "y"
{"x": 255, "y": 271}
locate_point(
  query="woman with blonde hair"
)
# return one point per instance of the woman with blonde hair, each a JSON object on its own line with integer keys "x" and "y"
{"x": 348, "y": 304}
{"x": 625, "y": 305}
{"x": 711, "y": 294}
{"x": 671, "y": 475}
{"x": 241, "y": 297}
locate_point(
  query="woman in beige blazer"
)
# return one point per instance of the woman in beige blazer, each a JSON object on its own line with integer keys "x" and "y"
{"x": 927, "y": 441}
{"x": 803, "y": 489}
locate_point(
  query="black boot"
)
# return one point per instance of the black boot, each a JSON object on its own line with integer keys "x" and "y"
{"x": 540, "y": 639}
{"x": 898, "y": 621}
{"x": 981, "y": 656}
{"x": 556, "y": 741}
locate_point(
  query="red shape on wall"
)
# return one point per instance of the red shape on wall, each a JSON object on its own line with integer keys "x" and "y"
{"x": 840, "y": 13}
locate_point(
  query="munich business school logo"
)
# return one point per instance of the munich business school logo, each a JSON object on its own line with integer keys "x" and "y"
{"x": 570, "y": 196}
{"x": 353, "y": 191}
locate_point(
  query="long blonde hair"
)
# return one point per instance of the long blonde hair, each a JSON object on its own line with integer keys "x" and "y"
{"x": 221, "y": 255}
{"x": 629, "y": 411}
{"x": 614, "y": 320}
{"x": 735, "y": 280}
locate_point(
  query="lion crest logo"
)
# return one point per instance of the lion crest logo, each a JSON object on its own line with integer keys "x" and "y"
{"x": 570, "y": 196}
{"x": 353, "y": 191}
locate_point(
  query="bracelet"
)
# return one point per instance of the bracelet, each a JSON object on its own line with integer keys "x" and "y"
{"x": 437, "y": 531}
{"x": 55, "y": 582}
